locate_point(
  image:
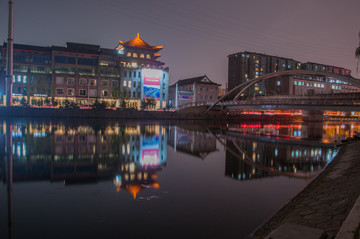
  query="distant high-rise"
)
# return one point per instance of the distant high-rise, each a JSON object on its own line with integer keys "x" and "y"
{"x": 244, "y": 66}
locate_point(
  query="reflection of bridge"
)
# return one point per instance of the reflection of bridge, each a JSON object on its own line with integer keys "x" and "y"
{"x": 240, "y": 89}
{"x": 241, "y": 153}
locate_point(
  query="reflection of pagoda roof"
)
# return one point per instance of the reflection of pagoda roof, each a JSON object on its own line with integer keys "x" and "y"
{"x": 198, "y": 154}
{"x": 140, "y": 43}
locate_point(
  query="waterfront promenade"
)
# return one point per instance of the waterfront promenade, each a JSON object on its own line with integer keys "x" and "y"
{"x": 327, "y": 201}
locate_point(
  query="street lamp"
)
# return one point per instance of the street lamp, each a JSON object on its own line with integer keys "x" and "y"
{"x": 10, "y": 52}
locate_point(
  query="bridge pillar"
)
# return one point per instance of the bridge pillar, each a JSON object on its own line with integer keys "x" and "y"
{"x": 313, "y": 115}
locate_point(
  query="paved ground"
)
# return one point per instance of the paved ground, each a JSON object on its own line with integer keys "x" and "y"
{"x": 327, "y": 200}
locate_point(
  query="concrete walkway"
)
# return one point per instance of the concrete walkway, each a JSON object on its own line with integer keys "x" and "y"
{"x": 327, "y": 200}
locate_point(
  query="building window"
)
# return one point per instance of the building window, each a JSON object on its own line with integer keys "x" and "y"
{"x": 82, "y": 81}
{"x": 134, "y": 74}
{"x": 82, "y": 92}
{"x": 295, "y": 82}
{"x": 125, "y": 83}
{"x": 70, "y": 92}
{"x": 129, "y": 83}
{"x": 148, "y": 56}
{"x": 71, "y": 81}
{"x": 134, "y": 94}
{"x": 114, "y": 83}
{"x": 135, "y": 55}
{"x": 93, "y": 82}
{"x": 60, "y": 91}
{"x": 134, "y": 85}
{"x": 125, "y": 73}
{"x": 142, "y": 56}
{"x": 139, "y": 74}
{"x": 59, "y": 80}
{"x": 25, "y": 79}
{"x": 104, "y": 93}
{"x": 128, "y": 54}
{"x": 104, "y": 83}
{"x": 92, "y": 92}
{"x": 278, "y": 82}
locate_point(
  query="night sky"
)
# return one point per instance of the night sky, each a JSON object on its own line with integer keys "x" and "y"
{"x": 197, "y": 35}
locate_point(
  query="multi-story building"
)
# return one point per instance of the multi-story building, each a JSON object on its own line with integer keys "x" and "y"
{"x": 325, "y": 68}
{"x": 193, "y": 90}
{"x": 84, "y": 73}
{"x": 244, "y": 66}
{"x": 307, "y": 86}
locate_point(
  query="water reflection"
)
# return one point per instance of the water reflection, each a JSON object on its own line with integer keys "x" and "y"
{"x": 133, "y": 158}
{"x": 129, "y": 154}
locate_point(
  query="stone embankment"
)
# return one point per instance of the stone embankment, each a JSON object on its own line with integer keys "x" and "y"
{"x": 325, "y": 203}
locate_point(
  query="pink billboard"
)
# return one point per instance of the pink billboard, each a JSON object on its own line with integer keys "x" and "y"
{"x": 151, "y": 83}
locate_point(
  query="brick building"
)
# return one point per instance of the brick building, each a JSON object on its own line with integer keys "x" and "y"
{"x": 84, "y": 73}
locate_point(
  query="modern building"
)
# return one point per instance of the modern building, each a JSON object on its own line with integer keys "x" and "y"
{"x": 84, "y": 73}
{"x": 193, "y": 90}
{"x": 244, "y": 66}
{"x": 325, "y": 68}
{"x": 307, "y": 86}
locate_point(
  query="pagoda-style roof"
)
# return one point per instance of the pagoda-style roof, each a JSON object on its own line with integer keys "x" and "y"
{"x": 198, "y": 80}
{"x": 140, "y": 43}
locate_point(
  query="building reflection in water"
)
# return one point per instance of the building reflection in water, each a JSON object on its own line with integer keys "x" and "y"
{"x": 129, "y": 154}
{"x": 196, "y": 143}
{"x": 262, "y": 150}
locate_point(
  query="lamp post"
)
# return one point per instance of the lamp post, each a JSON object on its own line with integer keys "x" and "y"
{"x": 10, "y": 51}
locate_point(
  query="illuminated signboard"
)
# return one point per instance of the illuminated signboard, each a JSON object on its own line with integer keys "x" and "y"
{"x": 151, "y": 83}
{"x": 150, "y": 151}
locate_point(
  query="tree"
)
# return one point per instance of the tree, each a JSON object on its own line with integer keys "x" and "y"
{"x": 123, "y": 95}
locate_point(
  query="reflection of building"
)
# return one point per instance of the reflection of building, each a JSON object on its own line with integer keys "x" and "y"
{"x": 248, "y": 159}
{"x": 83, "y": 73}
{"x": 198, "y": 144}
{"x": 193, "y": 90}
{"x": 78, "y": 154}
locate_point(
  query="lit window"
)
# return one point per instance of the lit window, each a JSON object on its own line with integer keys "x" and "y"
{"x": 104, "y": 93}
{"x": 278, "y": 82}
{"x": 148, "y": 56}
{"x": 125, "y": 83}
{"x": 93, "y": 82}
{"x": 129, "y": 83}
{"x": 135, "y": 55}
{"x": 24, "y": 79}
{"x": 19, "y": 78}
{"x": 128, "y": 54}
{"x": 295, "y": 82}
{"x": 142, "y": 56}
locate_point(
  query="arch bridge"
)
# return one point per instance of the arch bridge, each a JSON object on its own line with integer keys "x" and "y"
{"x": 246, "y": 85}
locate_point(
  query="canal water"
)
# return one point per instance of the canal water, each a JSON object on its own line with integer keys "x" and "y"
{"x": 126, "y": 179}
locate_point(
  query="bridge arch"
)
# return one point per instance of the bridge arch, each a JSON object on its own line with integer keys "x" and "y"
{"x": 244, "y": 86}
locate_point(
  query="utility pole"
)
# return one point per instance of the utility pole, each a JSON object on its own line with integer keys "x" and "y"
{"x": 10, "y": 51}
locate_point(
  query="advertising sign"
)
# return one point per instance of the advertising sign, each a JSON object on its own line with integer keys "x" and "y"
{"x": 150, "y": 151}
{"x": 151, "y": 83}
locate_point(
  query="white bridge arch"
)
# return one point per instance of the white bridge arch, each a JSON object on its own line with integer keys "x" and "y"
{"x": 244, "y": 86}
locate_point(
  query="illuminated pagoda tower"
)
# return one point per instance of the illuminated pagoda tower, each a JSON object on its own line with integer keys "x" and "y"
{"x": 142, "y": 75}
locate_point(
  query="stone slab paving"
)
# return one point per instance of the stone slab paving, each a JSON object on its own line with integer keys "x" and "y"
{"x": 327, "y": 200}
